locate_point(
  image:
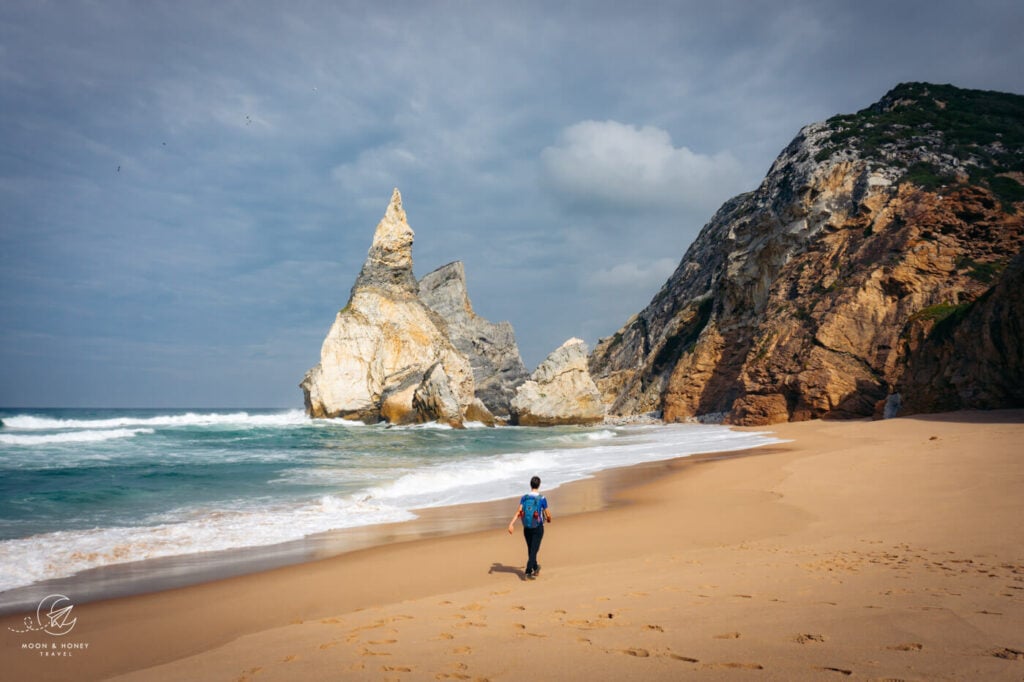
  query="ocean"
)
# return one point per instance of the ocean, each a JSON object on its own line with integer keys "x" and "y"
{"x": 82, "y": 489}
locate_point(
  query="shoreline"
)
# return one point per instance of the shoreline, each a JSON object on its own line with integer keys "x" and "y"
{"x": 139, "y": 577}
{"x": 718, "y": 565}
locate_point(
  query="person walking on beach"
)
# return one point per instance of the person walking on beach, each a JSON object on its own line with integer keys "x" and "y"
{"x": 533, "y": 510}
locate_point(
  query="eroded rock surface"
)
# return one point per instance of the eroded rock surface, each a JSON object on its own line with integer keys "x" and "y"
{"x": 809, "y": 296}
{"x": 490, "y": 347}
{"x": 385, "y": 340}
{"x": 560, "y": 391}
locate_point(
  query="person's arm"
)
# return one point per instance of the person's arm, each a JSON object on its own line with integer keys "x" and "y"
{"x": 547, "y": 514}
{"x": 512, "y": 523}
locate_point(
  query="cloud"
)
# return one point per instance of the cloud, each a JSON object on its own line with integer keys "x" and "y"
{"x": 641, "y": 276}
{"x": 617, "y": 165}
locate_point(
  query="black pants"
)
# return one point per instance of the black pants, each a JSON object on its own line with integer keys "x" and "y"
{"x": 533, "y": 537}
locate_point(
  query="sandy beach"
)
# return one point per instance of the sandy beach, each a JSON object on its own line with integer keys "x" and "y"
{"x": 862, "y": 550}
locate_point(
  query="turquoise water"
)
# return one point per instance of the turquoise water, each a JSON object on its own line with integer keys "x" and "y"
{"x": 81, "y": 489}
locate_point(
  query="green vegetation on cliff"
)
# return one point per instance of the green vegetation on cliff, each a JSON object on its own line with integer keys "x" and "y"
{"x": 942, "y": 135}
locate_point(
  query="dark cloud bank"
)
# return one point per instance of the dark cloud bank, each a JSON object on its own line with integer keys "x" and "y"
{"x": 188, "y": 189}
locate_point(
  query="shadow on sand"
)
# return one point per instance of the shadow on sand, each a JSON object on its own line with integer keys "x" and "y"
{"x": 502, "y": 568}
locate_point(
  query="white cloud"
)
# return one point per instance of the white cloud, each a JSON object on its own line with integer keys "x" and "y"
{"x": 647, "y": 276}
{"x": 376, "y": 170}
{"x": 619, "y": 165}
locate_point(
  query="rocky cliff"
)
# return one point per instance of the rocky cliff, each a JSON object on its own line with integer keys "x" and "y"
{"x": 490, "y": 347}
{"x": 972, "y": 356}
{"x": 387, "y": 355}
{"x": 812, "y": 295}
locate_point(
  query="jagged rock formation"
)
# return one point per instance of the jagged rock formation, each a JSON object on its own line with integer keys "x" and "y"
{"x": 433, "y": 400}
{"x": 491, "y": 347}
{"x": 804, "y": 298}
{"x": 387, "y": 355}
{"x": 560, "y": 391}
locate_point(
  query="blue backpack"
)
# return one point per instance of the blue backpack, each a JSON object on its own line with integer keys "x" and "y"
{"x": 532, "y": 511}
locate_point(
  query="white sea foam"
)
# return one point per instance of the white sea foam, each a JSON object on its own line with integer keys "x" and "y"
{"x": 241, "y": 419}
{"x": 392, "y": 492}
{"x": 65, "y": 553}
{"x": 86, "y": 436}
{"x": 496, "y": 477}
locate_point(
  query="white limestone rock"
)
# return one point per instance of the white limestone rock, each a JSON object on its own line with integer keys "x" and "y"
{"x": 560, "y": 391}
{"x": 385, "y": 340}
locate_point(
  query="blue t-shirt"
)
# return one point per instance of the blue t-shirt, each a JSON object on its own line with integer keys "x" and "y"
{"x": 543, "y": 503}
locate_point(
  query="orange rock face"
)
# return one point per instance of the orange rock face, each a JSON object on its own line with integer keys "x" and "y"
{"x": 811, "y": 296}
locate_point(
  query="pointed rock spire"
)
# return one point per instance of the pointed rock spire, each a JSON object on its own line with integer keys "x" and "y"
{"x": 490, "y": 347}
{"x": 388, "y": 264}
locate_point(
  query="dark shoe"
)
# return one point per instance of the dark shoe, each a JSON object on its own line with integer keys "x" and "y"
{"x": 536, "y": 571}
{"x": 531, "y": 576}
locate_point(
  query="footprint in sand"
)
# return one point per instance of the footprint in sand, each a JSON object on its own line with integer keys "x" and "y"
{"x": 396, "y": 669}
{"x": 637, "y": 651}
{"x": 728, "y": 635}
{"x": 289, "y": 659}
{"x": 841, "y": 671}
{"x": 804, "y": 639}
{"x": 383, "y": 641}
{"x": 462, "y": 650}
{"x": 1009, "y": 654}
{"x": 684, "y": 659}
{"x": 656, "y": 628}
{"x": 244, "y": 677}
{"x": 909, "y": 646}
{"x": 446, "y": 635}
{"x": 735, "y": 666}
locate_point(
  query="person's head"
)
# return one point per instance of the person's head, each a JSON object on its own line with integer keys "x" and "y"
{"x": 535, "y": 483}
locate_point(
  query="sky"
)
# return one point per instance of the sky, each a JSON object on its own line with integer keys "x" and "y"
{"x": 188, "y": 189}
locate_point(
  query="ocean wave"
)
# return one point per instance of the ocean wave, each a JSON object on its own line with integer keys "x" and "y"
{"x": 386, "y": 485}
{"x": 86, "y": 436}
{"x": 484, "y": 479}
{"x": 25, "y": 422}
{"x": 64, "y": 553}
{"x": 585, "y": 436}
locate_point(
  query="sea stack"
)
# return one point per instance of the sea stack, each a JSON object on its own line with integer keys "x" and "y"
{"x": 490, "y": 346}
{"x": 387, "y": 355}
{"x": 560, "y": 391}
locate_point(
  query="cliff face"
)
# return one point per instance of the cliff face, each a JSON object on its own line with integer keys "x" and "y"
{"x": 490, "y": 347}
{"x": 972, "y": 357}
{"x": 810, "y": 296}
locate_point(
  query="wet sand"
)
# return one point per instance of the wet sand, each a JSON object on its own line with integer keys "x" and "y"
{"x": 870, "y": 550}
